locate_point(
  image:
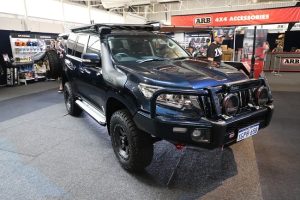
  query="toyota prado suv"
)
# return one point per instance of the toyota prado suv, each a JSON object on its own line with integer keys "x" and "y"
{"x": 145, "y": 88}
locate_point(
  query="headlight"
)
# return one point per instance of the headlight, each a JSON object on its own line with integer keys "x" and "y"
{"x": 171, "y": 100}
{"x": 148, "y": 90}
{"x": 181, "y": 102}
{"x": 231, "y": 104}
{"x": 262, "y": 96}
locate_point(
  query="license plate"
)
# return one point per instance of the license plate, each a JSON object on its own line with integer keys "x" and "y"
{"x": 247, "y": 132}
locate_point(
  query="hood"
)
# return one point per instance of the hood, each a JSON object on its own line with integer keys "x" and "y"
{"x": 187, "y": 73}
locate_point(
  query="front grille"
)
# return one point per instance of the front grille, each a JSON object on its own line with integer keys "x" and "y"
{"x": 206, "y": 106}
{"x": 244, "y": 91}
{"x": 245, "y": 97}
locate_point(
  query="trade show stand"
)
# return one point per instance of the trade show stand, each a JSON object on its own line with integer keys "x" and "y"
{"x": 283, "y": 62}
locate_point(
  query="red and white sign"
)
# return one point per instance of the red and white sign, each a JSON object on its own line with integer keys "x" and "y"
{"x": 239, "y": 18}
{"x": 203, "y": 20}
{"x": 290, "y": 61}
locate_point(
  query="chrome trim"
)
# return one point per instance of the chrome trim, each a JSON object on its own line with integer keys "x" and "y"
{"x": 92, "y": 111}
{"x": 74, "y": 58}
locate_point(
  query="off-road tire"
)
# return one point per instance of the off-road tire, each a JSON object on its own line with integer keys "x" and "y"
{"x": 139, "y": 144}
{"x": 72, "y": 108}
{"x": 55, "y": 64}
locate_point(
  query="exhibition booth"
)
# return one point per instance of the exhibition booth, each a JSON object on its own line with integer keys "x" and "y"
{"x": 273, "y": 51}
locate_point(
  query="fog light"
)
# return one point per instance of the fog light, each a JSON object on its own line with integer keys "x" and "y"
{"x": 201, "y": 135}
{"x": 262, "y": 96}
{"x": 231, "y": 104}
{"x": 179, "y": 130}
{"x": 231, "y": 135}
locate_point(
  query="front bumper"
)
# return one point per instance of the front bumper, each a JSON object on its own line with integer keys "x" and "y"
{"x": 221, "y": 131}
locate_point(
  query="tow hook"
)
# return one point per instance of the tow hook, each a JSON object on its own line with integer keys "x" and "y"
{"x": 179, "y": 146}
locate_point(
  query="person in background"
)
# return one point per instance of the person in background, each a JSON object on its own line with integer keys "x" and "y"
{"x": 192, "y": 45}
{"x": 266, "y": 48}
{"x": 280, "y": 43}
{"x": 214, "y": 51}
{"x": 278, "y": 48}
{"x": 60, "y": 50}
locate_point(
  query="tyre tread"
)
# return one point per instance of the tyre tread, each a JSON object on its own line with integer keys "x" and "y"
{"x": 142, "y": 146}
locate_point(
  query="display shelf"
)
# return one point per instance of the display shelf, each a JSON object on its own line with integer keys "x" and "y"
{"x": 28, "y": 51}
{"x": 23, "y": 80}
{"x": 29, "y": 79}
{"x": 21, "y": 63}
{"x": 26, "y": 46}
{"x": 26, "y": 71}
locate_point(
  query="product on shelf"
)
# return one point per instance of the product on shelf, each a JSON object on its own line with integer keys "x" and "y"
{"x": 28, "y": 51}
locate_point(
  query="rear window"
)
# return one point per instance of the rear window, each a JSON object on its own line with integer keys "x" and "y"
{"x": 71, "y": 43}
{"x": 94, "y": 45}
{"x": 81, "y": 42}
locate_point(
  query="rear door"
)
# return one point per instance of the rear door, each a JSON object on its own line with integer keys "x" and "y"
{"x": 70, "y": 63}
{"x": 81, "y": 73}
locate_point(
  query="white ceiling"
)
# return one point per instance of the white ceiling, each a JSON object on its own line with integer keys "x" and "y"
{"x": 108, "y": 4}
{"x": 176, "y": 7}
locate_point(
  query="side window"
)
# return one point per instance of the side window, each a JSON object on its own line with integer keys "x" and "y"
{"x": 71, "y": 43}
{"x": 82, "y": 40}
{"x": 94, "y": 45}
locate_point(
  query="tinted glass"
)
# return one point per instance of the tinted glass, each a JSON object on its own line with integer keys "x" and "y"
{"x": 130, "y": 48}
{"x": 94, "y": 45}
{"x": 81, "y": 42}
{"x": 71, "y": 43}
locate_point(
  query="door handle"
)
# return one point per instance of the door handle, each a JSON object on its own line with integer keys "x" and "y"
{"x": 87, "y": 71}
{"x": 84, "y": 70}
{"x": 81, "y": 69}
{"x": 99, "y": 73}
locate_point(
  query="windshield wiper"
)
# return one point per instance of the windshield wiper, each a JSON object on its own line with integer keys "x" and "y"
{"x": 150, "y": 59}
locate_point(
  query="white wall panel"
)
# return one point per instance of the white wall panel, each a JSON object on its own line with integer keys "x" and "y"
{"x": 74, "y": 13}
{"x": 100, "y": 16}
{"x": 46, "y": 27}
{"x": 11, "y": 24}
{"x": 47, "y": 9}
{"x": 47, "y": 16}
{"x": 12, "y": 7}
{"x": 134, "y": 19}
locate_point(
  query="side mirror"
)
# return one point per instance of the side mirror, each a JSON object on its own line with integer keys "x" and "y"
{"x": 90, "y": 58}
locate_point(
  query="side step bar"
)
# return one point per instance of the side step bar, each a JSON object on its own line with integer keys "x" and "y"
{"x": 92, "y": 111}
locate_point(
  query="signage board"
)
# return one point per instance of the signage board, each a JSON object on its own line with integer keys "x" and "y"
{"x": 239, "y": 18}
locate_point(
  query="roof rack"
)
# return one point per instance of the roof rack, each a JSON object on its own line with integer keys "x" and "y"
{"x": 98, "y": 27}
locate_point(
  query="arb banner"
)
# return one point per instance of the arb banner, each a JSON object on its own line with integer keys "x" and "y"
{"x": 239, "y": 18}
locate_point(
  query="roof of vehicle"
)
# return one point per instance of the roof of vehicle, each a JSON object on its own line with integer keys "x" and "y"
{"x": 126, "y": 32}
{"x": 107, "y": 28}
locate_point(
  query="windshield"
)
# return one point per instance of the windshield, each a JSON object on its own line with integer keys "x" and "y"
{"x": 144, "y": 48}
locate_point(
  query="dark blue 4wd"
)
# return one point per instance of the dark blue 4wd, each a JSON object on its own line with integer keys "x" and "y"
{"x": 145, "y": 88}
